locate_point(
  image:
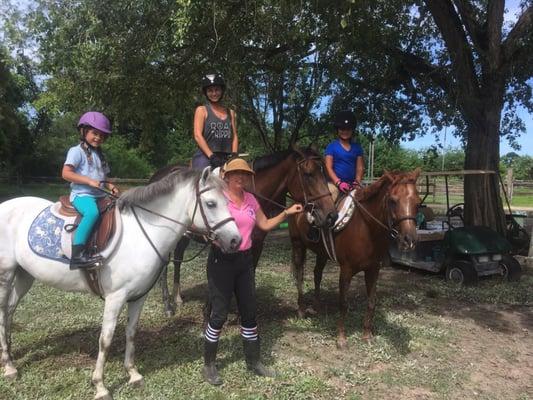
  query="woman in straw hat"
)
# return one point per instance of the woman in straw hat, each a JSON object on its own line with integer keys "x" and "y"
{"x": 234, "y": 273}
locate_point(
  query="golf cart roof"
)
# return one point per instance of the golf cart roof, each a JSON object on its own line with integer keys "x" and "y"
{"x": 460, "y": 172}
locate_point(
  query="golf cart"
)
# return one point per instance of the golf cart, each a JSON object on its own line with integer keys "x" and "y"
{"x": 463, "y": 253}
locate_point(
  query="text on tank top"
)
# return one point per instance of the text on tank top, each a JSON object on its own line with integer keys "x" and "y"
{"x": 218, "y": 132}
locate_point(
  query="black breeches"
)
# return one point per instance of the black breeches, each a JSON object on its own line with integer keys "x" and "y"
{"x": 228, "y": 274}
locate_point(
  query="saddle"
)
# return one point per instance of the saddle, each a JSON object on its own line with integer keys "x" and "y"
{"x": 105, "y": 227}
{"x": 345, "y": 207}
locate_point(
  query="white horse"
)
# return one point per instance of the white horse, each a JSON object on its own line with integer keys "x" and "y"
{"x": 181, "y": 199}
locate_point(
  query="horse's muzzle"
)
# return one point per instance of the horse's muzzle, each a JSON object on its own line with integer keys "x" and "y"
{"x": 407, "y": 242}
{"x": 235, "y": 243}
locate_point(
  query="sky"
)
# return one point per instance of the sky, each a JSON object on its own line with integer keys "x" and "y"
{"x": 525, "y": 141}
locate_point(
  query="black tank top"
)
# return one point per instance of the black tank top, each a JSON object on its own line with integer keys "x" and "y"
{"x": 218, "y": 133}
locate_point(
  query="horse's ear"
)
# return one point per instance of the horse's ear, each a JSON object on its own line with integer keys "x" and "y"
{"x": 205, "y": 174}
{"x": 416, "y": 173}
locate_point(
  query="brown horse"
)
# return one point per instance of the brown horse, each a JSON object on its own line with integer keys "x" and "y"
{"x": 297, "y": 172}
{"x": 386, "y": 207}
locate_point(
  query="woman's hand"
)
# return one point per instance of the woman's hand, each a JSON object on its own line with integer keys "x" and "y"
{"x": 344, "y": 187}
{"x": 294, "y": 209}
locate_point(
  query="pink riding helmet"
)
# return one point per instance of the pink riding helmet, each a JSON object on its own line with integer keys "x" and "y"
{"x": 96, "y": 120}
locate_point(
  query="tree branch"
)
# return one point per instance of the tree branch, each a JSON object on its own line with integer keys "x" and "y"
{"x": 460, "y": 52}
{"x": 495, "y": 9}
{"x": 476, "y": 31}
{"x": 255, "y": 117}
{"x": 514, "y": 41}
{"x": 415, "y": 65}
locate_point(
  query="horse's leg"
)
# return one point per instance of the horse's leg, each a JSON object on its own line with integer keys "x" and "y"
{"x": 371, "y": 279}
{"x": 18, "y": 287}
{"x": 178, "y": 256}
{"x": 134, "y": 312}
{"x": 169, "y": 310}
{"x": 321, "y": 261}
{"x": 298, "y": 262}
{"x": 344, "y": 284}
{"x": 113, "y": 306}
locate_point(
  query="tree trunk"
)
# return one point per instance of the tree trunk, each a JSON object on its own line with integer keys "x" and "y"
{"x": 483, "y": 204}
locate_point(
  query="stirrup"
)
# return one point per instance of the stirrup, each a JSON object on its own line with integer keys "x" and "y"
{"x": 93, "y": 263}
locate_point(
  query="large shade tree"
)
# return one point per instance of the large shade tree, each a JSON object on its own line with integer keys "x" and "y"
{"x": 454, "y": 61}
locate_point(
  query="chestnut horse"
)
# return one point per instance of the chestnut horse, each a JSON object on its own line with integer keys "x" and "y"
{"x": 386, "y": 207}
{"x": 299, "y": 172}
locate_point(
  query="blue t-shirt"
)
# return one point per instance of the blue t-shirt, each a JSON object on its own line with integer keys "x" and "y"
{"x": 78, "y": 159}
{"x": 344, "y": 161}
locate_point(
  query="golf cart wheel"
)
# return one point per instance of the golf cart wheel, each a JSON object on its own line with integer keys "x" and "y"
{"x": 510, "y": 268}
{"x": 461, "y": 273}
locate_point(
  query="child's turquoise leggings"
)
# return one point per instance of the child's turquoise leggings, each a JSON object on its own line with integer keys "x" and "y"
{"x": 88, "y": 208}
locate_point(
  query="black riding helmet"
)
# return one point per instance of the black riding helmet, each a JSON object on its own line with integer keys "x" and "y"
{"x": 345, "y": 120}
{"x": 213, "y": 79}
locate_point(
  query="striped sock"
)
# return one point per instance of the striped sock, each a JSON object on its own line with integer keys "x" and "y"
{"x": 212, "y": 334}
{"x": 249, "y": 333}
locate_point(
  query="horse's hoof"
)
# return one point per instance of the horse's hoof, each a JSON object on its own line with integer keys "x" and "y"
{"x": 10, "y": 373}
{"x": 169, "y": 313}
{"x": 301, "y": 313}
{"x": 136, "y": 381}
{"x": 103, "y": 396}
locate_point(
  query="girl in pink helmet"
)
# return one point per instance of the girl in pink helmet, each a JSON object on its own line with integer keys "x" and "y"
{"x": 86, "y": 169}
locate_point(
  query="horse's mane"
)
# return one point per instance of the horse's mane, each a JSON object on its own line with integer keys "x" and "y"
{"x": 269, "y": 160}
{"x": 389, "y": 177}
{"x": 163, "y": 186}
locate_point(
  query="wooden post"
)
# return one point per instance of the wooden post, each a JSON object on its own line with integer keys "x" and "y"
{"x": 509, "y": 184}
{"x": 529, "y": 261}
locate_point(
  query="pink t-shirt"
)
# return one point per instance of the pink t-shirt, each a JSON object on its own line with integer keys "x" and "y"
{"x": 244, "y": 218}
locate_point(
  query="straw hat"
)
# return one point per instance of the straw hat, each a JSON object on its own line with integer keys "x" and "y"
{"x": 237, "y": 164}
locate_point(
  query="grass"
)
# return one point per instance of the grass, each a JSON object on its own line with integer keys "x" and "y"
{"x": 431, "y": 339}
{"x": 417, "y": 351}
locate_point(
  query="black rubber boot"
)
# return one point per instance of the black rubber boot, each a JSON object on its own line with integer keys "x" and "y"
{"x": 210, "y": 372}
{"x": 79, "y": 259}
{"x": 252, "y": 349}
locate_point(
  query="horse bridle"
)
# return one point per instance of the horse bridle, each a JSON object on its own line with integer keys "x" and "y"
{"x": 391, "y": 223}
{"x": 309, "y": 201}
{"x": 208, "y": 233}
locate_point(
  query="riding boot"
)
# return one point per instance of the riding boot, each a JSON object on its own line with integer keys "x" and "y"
{"x": 79, "y": 259}
{"x": 252, "y": 349}
{"x": 210, "y": 372}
